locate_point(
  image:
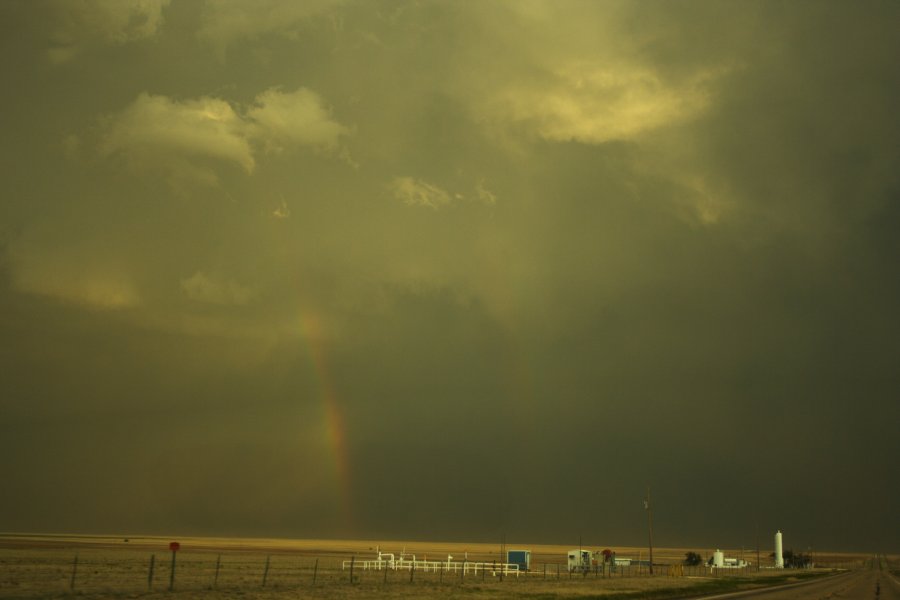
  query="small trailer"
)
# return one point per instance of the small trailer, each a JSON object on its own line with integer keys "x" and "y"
{"x": 579, "y": 560}
{"x": 519, "y": 557}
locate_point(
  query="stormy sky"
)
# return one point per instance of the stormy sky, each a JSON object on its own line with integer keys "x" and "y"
{"x": 451, "y": 270}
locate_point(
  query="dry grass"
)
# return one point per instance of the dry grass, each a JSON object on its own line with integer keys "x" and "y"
{"x": 109, "y": 567}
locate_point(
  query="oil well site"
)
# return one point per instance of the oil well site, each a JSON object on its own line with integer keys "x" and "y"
{"x": 44, "y": 566}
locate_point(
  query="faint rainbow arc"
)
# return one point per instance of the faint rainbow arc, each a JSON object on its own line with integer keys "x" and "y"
{"x": 334, "y": 420}
{"x": 336, "y": 439}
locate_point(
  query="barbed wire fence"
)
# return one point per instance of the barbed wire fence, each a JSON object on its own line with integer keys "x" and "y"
{"x": 87, "y": 571}
{"x": 134, "y": 571}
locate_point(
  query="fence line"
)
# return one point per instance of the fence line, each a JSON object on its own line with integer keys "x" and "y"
{"x": 433, "y": 566}
{"x": 38, "y": 572}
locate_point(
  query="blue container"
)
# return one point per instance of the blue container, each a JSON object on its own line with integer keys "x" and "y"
{"x": 519, "y": 557}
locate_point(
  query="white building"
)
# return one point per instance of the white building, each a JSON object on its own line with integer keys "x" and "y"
{"x": 579, "y": 560}
{"x": 720, "y": 561}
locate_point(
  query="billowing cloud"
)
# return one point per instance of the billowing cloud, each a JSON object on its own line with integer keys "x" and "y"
{"x": 595, "y": 104}
{"x": 73, "y": 275}
{"x": 158, "y": 133}
{"x": 200, "y": 287}
{"x": 282, "y": 211}
{"x": 283, "y": 119}
{"x": 483, "y": 194}
{"x": 418, "y": 192}
{"x": 93, "y": 290}
{"x": 107, "y": 21}
{"x": 415, "y": 192}
{"x": 186, "y": 140}
{"x": 226, "y": 21}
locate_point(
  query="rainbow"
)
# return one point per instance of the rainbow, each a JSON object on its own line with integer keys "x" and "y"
{"x": 333, "y": 418}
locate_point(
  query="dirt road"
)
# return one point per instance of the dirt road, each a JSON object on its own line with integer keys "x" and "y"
{"x": 868, "y": 584}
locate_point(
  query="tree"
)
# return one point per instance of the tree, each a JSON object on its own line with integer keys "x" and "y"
{"x": 692, "y": 559}
{"x": 794, "y": 560}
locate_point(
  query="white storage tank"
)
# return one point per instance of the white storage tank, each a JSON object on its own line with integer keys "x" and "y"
{"x": 779, "y": 557}
{"x": 718, "y": 558}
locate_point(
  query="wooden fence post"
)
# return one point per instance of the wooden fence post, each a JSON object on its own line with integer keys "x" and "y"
{"x": 218, "y": 564}
{"x": 150, "y": 573}
{"x": 315, "y": 571}
{"x": 172, "y": 573}
{"x": 266, "y": 571}
{"x": 74, "y": 570}
{"x": 352, "y": 562}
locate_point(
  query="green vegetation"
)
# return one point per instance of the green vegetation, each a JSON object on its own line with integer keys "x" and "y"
{"x": 796, "y": 560}
{"x": 692, "y": 559}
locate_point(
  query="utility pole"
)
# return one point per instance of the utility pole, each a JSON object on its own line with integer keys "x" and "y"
{"x": 649, "y": 510}
{"x": 757, "y": 546}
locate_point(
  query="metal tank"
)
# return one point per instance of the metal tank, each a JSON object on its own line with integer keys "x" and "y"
{"x": 779, "y": 557}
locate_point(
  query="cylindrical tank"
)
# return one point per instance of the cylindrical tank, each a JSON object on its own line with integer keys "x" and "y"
{"x": 718, "y": 558}
{"x": 779, "y": 558}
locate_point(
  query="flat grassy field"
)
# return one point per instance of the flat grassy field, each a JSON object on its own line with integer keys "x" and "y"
{"x": 56, "y": 566}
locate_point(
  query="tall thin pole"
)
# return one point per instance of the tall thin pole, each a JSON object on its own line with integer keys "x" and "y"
{"x": 172, "y": 573}
{"x": 74, "y": 571}
{"x": 150, "y": 573}
{"x": 502, "y": 555}
{"x": 650, "y": 526}
{"x": 757, "y": 546}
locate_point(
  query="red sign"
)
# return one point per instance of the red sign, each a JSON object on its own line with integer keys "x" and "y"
{"x": 174, "y": 546}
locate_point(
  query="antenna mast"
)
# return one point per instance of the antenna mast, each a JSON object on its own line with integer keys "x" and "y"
{"x": 649, "y": 526}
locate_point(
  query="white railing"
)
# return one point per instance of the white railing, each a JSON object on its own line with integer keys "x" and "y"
{"x": 435, "y": 566}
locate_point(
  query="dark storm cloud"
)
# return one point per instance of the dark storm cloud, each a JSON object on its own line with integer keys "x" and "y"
{"x": 534, "y": 253}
